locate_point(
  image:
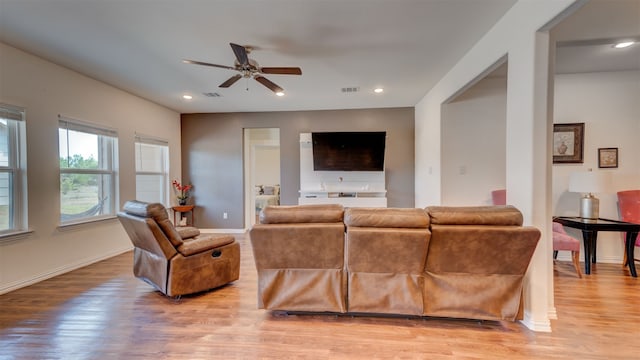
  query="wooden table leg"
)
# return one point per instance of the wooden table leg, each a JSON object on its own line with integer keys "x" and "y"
{"x": 630, "y": 244}
{"x": 588, "y": 238}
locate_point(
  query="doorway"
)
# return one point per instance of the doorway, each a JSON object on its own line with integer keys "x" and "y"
{"x": 262, "y": 171}
{"x": 474, "y": 140}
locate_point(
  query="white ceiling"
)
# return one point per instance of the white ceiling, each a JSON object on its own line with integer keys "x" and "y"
{"x": 585, "y": 38}
{"x": 405, "y": 46}
{"x": 137, "y": 45}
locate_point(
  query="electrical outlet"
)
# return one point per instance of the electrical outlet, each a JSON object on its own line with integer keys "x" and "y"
{"x": 224, "y": 215}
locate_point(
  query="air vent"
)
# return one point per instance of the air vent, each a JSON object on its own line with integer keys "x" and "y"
{"x": 350, "y": 89}
{"x": 212, "y": 94}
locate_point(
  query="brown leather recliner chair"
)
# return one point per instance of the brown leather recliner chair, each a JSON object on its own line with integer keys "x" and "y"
{"x": 177, "y": 261}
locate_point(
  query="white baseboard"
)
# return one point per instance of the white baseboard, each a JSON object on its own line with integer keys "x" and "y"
{"x": 61, "y": 270}
{"x": 223, "y": 231}
{"x": 538, "y": 326}
{"x": 553, "y": 315}
{"x": 566, "y": 256}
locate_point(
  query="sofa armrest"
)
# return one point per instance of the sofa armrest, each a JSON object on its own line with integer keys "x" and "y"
{"x": 204, "y": 243}
{"x": 187, "y": 232}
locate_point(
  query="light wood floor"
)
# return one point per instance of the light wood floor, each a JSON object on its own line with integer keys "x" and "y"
{"x": 103, "y": 312}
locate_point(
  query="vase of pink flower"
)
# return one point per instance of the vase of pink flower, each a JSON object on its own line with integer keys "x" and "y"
{"x": 182, "y": 191}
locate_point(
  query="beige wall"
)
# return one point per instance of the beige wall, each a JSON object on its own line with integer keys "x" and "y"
{"x": 474, "y": 144}
{"x": 212, "y": 155}
{"x": 45, "y": 90}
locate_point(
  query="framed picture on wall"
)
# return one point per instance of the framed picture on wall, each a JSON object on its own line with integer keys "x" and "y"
{"x": 568, "y": 143}
{"x": 608, "y": 157}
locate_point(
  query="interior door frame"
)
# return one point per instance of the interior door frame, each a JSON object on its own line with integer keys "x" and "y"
{"x": 250, "y": 149}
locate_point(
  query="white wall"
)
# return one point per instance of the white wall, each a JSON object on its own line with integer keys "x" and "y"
{"x": 264, "y": 147}
{"x": 267, "y": 165}
{"x": 46, "y": 90}
{"x": 528, "y": 168}
{"x": 474, "y": 144}
{"x": 608, "y": 104}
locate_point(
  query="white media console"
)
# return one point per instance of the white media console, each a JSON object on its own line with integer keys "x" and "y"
{"x": 347, "y": 199}
{"x": 348, "y": 188}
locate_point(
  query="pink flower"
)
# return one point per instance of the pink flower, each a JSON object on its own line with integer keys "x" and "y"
{"x": 183, "y": 190}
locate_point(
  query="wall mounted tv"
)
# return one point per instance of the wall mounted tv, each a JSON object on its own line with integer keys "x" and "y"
{"x": 348, "y": 151}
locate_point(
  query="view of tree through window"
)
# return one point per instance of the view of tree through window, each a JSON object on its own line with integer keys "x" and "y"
{"x": 86, "y": 173}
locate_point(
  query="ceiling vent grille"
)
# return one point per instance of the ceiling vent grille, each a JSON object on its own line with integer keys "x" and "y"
{"x": 350, "y": 89}
{"x": 212, "y": 94}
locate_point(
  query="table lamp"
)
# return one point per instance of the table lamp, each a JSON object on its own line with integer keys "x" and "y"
{"x": 589, "y": 182}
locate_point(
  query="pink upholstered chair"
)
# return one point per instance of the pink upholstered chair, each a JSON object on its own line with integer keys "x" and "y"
{"x": 629, "y": 205}
{"x": 563, "y": 241}
{"x": 499, "y": 197}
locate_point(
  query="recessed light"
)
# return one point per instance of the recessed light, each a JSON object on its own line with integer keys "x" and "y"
{"x": 187, "y": 97}
{"x": 623, "y": 44}
{"x": 280, "y": 93}
{"x": 378, "y": 90}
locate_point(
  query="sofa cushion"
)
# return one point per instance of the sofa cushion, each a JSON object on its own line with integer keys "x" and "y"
{"x": 278, "y": 214}
{"x": 565, "y": 242}
{"x": 386, "y": 218}
{"x": 475, "y": 215}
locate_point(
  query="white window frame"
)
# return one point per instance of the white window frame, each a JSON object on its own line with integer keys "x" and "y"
{"x": 164, "y": 173}
{"x": 108, "y": 165}
{"x": 16, "y": 168}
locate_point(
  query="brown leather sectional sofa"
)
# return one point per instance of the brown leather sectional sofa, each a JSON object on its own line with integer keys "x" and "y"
{"x": 461, "y": 262}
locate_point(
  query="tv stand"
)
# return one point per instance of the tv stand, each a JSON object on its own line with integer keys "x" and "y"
{"x": 344, "y": 198}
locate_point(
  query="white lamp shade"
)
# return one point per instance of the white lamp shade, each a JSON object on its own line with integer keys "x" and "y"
{"x": 589, "y": 182}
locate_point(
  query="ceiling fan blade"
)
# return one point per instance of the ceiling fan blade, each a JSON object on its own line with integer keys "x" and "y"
{"x": 266, "y": 82}
{"x": 194, "y": 62}
{"x": 230, "y": 81}
{"x": 241, "y": 53}
{"x": 281, "y": 70}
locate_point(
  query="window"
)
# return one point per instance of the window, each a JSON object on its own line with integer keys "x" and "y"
{"x": 152, "y": 169}
{"x": 13, "y": 179}
{"x": 88, "y": 175}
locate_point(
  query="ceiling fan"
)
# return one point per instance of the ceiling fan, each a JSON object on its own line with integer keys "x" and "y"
{"x": 249, "y": 68}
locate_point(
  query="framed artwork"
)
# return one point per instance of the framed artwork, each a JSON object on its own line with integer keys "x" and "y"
{"x": 568, "y": 143}
{"x": 608, "y": 157}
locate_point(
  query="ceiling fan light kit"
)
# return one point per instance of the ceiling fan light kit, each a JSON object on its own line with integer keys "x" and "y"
{"x": 249, "y": 68}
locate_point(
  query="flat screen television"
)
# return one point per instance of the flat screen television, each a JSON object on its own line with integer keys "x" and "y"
{"x": 348, "y": 151}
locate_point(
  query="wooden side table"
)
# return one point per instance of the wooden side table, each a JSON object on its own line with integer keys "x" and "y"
{"x": 183, "y": 209}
